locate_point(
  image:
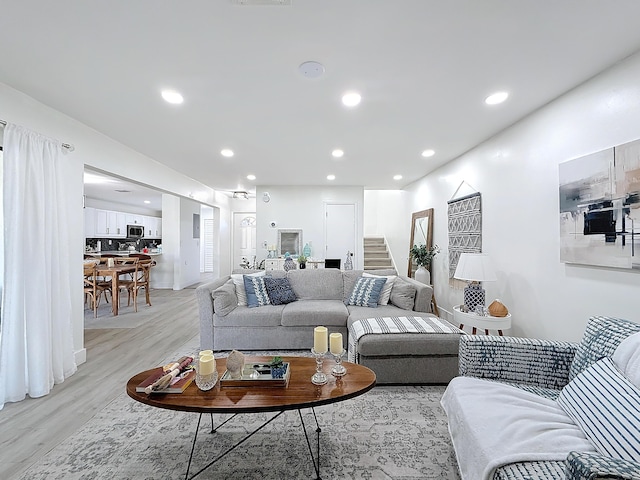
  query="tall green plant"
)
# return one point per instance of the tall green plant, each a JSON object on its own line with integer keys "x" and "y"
{"x": 423, "y": 255}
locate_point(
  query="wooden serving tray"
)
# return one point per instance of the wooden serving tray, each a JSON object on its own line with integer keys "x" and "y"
{"x": 250, "y": 378}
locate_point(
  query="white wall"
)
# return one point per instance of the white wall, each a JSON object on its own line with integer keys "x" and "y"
{"x": 121, "y": 207}
{"x": 95, "y": 149}
{"x": 386, "y": 215}
{"x": 304, "y": 207}
{"x": 517, "y": 174}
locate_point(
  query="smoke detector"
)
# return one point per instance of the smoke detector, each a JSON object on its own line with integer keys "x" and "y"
{"x": 311, "y": 69}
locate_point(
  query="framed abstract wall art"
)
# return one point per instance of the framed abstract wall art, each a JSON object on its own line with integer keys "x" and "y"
{"x": 600, "y": 208}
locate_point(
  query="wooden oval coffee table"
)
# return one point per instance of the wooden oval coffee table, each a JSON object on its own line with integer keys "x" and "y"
{"x": 300, "y": 393}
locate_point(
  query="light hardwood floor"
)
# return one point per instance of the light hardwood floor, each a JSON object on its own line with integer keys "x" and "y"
{"x": 31, "y": 428}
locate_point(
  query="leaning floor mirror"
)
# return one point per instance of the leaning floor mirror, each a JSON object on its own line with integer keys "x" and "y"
{"x": 421, "y": 234}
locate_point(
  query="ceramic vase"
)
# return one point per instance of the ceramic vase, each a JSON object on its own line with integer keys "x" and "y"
{"x": 423, "y": 275}
{"x": 289, "y": 264}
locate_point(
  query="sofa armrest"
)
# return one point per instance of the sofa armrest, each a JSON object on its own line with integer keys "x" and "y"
{"x": 205, "y": 309}
{"x": 542, "y": 363}
{"x": 593, "y": 466}
{"x": 424, "y": 294}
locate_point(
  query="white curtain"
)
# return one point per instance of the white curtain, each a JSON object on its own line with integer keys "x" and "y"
{"x": 36, "y": 337}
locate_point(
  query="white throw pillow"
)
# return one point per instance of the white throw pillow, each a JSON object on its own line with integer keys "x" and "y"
{"x": 238, "y": 281}
{"x": 627, "y": 358}
{"x": 386, "y": 289}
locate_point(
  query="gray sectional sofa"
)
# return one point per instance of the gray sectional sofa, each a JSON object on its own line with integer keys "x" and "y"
{"x": 321, "y": 299}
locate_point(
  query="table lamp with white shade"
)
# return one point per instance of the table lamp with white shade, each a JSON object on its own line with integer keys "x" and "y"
{"x": 474, "y": 268}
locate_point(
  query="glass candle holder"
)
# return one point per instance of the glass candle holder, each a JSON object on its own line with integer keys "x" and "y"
{"x": 319, "y": 378}
{"x": 208, "y": 380}
{"x": 338, "y": 369}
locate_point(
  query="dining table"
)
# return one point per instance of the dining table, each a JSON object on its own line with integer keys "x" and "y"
{"x": 114, "y": 271}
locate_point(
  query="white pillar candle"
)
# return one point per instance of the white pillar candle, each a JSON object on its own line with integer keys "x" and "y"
{"x": 335, "y": 343}
{"x": 320, "y": 339}
{"x": 207, "y": 365}
{"x": 206, "y": 352}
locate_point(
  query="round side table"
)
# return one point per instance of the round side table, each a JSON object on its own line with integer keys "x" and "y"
{"x": 480, "y": 321}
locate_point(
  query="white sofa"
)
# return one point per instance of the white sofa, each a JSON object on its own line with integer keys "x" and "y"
{"x": 536, "y": 409}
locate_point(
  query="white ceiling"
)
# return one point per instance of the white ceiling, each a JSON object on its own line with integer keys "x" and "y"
{"x": 423, "y": 68}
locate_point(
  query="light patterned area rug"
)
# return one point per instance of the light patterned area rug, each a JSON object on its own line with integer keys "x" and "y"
{"x": 395, "y": 432}
{"x": 388, "y": 433}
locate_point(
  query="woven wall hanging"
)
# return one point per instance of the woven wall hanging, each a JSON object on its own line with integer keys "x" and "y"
{"x": 465, "y": 228}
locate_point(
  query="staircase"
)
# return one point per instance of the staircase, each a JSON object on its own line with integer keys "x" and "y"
{"x": 376, "y": 255}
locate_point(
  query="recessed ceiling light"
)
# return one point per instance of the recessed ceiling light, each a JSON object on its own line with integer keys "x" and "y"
{"x": 337, "y": 153}
{"x": 226, "y": 152}
{"x": 251, "y": 177}
{"x": 496, "y": 98}
{"x": 331, "y": 177}
{"x": 172, "y": 96}
{"x": 351, "y": 99}
{"x": 428, "y": 153}
{"x": 147, "y": 201}
{"x": 397, "y": 177}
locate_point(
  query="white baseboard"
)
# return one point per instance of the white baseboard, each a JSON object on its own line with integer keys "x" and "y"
{"x": 80, "y": 356}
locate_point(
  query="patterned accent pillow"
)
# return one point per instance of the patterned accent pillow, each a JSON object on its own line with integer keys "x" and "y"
{"x": 279, "y": 291}
{"x": 256, "y": 291}
{"x": 366, "y": 292}
{"x": 238, "y": 281}
{"x": 601, "y": 338}
{"x": 606, "y": 407}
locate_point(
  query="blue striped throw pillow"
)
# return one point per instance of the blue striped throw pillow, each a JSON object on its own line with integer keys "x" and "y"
{"x": 366, "y": 292}
{"x": 606, "y": 407}
{"x": 257, "y": 295}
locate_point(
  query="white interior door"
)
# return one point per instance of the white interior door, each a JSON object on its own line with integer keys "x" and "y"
{"x": 340, "y": 231}
{"x": 244, "y": 239}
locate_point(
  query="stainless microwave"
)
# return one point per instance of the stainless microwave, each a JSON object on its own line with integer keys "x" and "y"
{"x": 135, "y": 231}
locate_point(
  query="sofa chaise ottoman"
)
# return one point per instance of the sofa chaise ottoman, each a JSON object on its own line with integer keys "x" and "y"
{"x": 406, "y": 350}
{"x": 542, "y": 410}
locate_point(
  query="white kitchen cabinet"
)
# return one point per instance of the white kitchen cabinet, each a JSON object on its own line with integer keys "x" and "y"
{"x": 89, "y": 222}
{"x": 110, "y": 224}
{"x": 99, "y": 223}
{"x": 118, "y": 222}
{"x": 102, "y": 223}
{"x": 153, "y": 227}
{"x": 135, "y": 219}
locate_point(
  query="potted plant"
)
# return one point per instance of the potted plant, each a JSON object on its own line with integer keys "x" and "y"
{"x": 423, "y": 257}
{"x": 302, "y": 260}
{"x": 278, "y": 368}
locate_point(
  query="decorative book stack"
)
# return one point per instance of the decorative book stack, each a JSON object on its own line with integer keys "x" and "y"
{"x": 172, "y": 378}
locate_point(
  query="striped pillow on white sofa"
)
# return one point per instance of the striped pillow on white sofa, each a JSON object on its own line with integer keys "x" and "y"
{"x": 606, "y": 406}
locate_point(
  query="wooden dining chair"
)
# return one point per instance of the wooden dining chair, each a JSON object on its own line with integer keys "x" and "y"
{"x": 125, "y": 280}
{"x": 141, "y": 280}
{"x": 93, "y": 287}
